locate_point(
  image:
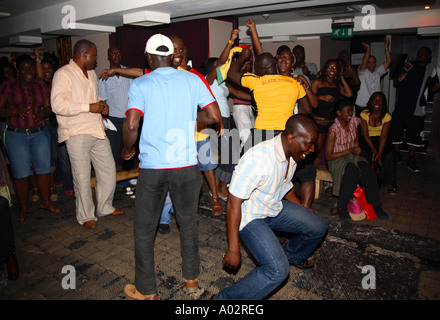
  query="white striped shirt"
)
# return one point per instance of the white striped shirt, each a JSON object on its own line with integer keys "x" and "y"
{"x": 260, "y": 179}
{"x": 114, "y": 91}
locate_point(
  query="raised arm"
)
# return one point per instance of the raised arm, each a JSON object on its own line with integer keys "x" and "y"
{"x": 223, "y": 56}
{"x": 38, "y": 67}
{"x": 131, "y": 72}
{"x": 345, "y": 89}
{"x": 235, "y": 73}
{"x": 387, "y": 62}
{"x": 366, "y": 56}
{"x": 255, "y": 38}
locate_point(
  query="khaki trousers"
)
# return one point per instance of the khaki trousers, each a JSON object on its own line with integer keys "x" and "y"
{"x": 85, "y": 151}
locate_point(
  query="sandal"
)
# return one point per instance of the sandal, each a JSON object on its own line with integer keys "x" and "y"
{"x": 391, "y": 191}
{"x": 223, "y": 198}
{"x": 53, "y": 195}
{"x": 35, "y": 195}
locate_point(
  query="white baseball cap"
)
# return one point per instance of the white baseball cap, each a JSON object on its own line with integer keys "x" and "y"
{"x": 160, "y": 45}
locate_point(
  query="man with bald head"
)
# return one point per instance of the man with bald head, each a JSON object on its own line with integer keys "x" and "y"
{"x": 261, "y": 200}
{"x": 171, "y": 101}
{"x": 79, "y": 110}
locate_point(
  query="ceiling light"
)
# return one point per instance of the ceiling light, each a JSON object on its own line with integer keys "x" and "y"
{"x": 427, "y": 7}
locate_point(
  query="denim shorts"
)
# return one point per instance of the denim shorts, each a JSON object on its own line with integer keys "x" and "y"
{"x": 205, "y": 155}
{"x": 27, "y": 152}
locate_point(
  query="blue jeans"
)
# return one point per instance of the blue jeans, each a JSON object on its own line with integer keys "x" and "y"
{"x": 205, "y": 156}
{"x": 167, "y": 206}
{"x": 26, "y": 149}
{"x": 273, "y": 265}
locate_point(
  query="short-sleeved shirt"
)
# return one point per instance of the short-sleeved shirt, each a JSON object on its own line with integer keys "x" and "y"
{"x": 202, "y": 130}
{"x": 260, "y": 179}
{"x": 20, "y": 97}
{"x": 370, "y": 83}
{"x": 345, "y": 139}
{"x": 375, "y": 131}
{"x": 275, "y": 97}
{"x": 169, "y": 100}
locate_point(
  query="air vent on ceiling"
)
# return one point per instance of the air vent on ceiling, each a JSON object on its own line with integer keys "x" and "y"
{"x": 146, "y": 18}
{"x": 326, "y": 10}
{"x": 25, "y": 40}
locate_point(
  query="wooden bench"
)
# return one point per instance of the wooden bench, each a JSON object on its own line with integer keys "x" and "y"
{"x": 322, "y": 174}
{"x": 120, "y": 176}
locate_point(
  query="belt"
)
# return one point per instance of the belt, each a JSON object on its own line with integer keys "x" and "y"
{"x": 27, "y": 131}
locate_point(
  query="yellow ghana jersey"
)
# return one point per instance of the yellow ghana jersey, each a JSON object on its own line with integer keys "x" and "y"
{"x": 275, "y": 96}
{"x": 375, "y": 131}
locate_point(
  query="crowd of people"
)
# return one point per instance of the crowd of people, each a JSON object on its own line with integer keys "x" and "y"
{"x": 287, "y": 118}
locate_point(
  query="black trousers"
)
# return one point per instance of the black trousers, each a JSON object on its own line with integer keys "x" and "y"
{"x": 363, "y": 175}
{"x": 184, "y": 186}
{"x": 388, "y": 169}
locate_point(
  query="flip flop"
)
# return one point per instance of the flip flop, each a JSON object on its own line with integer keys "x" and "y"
{"x": 51, "y": 208}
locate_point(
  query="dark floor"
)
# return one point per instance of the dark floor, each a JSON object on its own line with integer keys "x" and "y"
{"x": 403, "y": 253}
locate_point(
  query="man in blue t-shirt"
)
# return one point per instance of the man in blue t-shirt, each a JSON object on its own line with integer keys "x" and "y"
{"x": 171, "y": 102}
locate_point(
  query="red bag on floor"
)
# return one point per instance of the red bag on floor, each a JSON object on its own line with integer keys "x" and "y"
{"x": 359, "y": 194}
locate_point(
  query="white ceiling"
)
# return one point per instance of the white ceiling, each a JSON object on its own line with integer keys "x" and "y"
{"x": 44, "y": 18}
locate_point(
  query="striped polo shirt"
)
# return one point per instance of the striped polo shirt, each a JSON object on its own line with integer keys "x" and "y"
{"x": 260, "y": 179}
{"x": 114, "y": 91}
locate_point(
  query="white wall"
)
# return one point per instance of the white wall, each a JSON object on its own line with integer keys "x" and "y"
{"x": 219, "y": 34}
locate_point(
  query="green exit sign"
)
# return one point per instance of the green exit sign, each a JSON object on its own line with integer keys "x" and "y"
{"x": 341, "y": 33}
